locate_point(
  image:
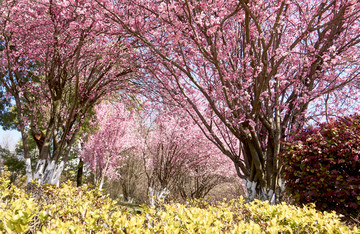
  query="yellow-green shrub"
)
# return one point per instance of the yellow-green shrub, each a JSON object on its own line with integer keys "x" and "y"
{"x": 17, "y": 209}
{"x": 82, "y": 210}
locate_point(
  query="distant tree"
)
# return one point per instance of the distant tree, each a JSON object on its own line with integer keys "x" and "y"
{"x": 15, "y": 165}
{"x": 116, "y": 137}
{"x": 179, "y": 158}
{"x": 131, "y": 185}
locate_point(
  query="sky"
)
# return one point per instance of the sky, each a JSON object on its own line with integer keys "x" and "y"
{"x": 8, "y": 139}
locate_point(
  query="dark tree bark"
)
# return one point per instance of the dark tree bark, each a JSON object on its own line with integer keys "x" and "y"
{"x": 80, "y": 173}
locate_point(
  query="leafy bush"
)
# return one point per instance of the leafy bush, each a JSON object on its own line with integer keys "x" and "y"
{"x": 82, "y": 210}
{"x": 322, "y": 165}
{"x": 13, "y": 164}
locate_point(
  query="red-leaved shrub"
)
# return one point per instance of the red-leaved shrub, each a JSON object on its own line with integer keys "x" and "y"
{"x": 322, "y": 165}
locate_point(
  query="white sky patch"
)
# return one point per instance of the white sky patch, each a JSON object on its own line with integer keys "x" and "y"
{"x": 9, "y": 139}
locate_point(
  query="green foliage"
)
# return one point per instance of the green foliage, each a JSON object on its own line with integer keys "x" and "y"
{"x": 33, "y": 151}
{"x": 83, "y": 210}
{"x": 12, "y": 162}
{"x": 322, "y": 164}
{"x": 7, "y": 112}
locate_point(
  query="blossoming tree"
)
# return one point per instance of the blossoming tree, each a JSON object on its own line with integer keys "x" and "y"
{"x": 58, "y": 59}
{"x": 114, "y": 140}
{"x": 249, "y": 70}
{"x": 180, "y": 159}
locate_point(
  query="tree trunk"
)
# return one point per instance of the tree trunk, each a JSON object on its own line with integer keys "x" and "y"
{"x": 157, "y": 196}
{"x": 49, "y": 170}
{"x": 262, "y": 181}
{"x": 79, "y": 173}
{"x": 28, "y": 170}
{"x": 101, "y": 182}
{"x": 254, "y": 190}
{"x": 102, "y": 173}
{"x": 57, "y": 173}
{"x": 13, "y": 177}
{"x": 39, "y": 171}
{"x": 53, "y": 169}
{"x": 29, "y": 175}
